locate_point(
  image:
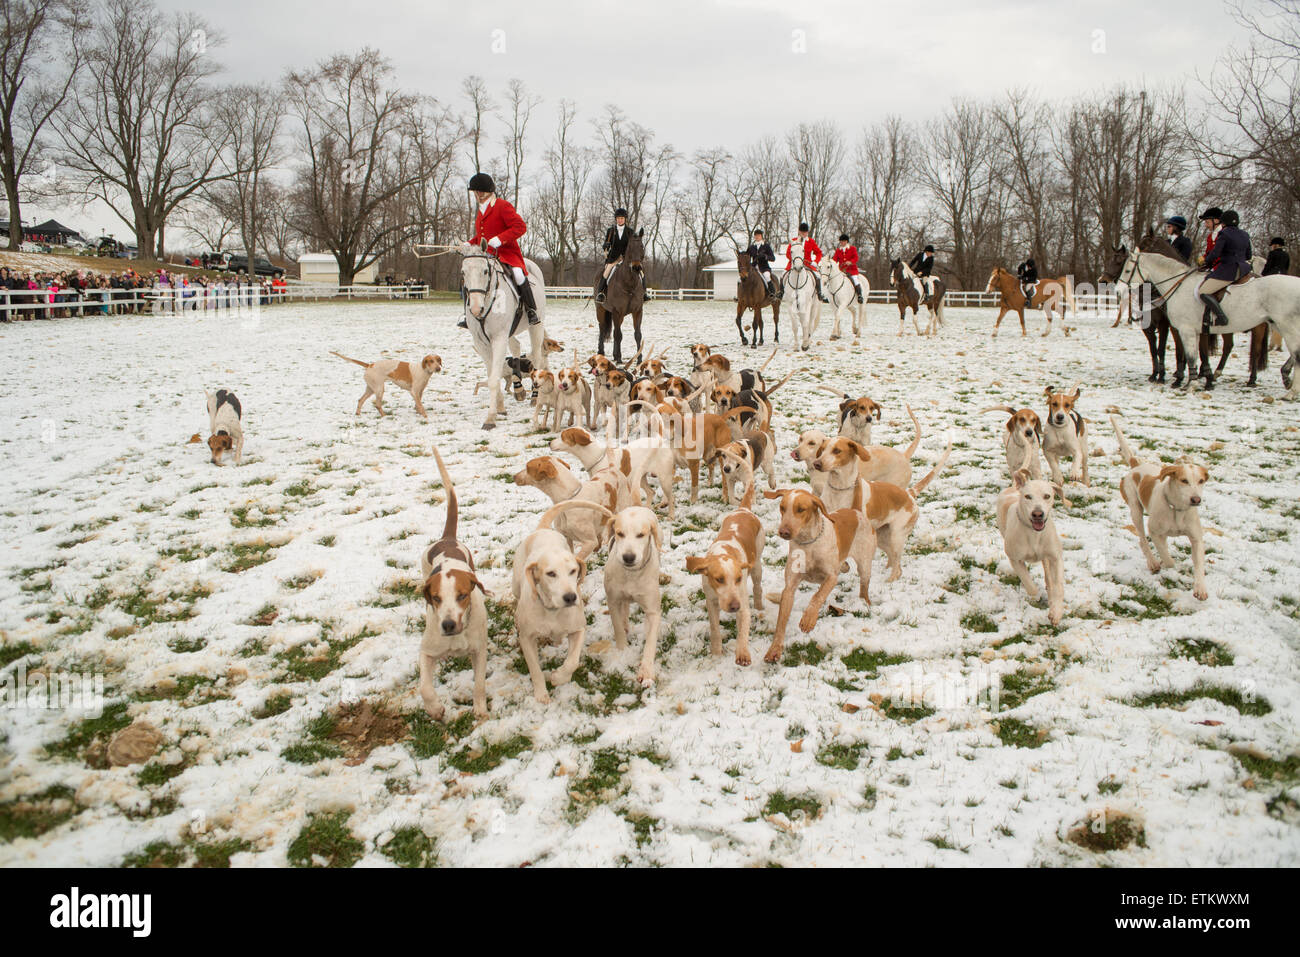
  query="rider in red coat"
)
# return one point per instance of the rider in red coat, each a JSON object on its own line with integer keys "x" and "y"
{"x": 500, "y": 226}
{"x": 846, "y": 257}
{"x": 812, "y": 255}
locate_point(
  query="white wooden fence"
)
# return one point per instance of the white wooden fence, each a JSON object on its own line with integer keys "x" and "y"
{"x": 17, "y": 303}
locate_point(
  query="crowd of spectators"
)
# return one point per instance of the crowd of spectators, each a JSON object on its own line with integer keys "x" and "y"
{"x": 80, "y": 292}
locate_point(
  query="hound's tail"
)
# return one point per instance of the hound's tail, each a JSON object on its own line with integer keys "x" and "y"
{"x": 943, "y": 460}
{"x": 1124, "y": 450}
{"x": 916, "y": 442}
{"x": 835, "y": 392}
{"x": 448, "y": 529}
{"x": 364, "y": 365}
{"x": 558, "y": 509}
{"x": 747, "y": 502}
{"x": 769, "y": 392}
{"x": 999, "y": 408}
{"x": 769, "y": 359}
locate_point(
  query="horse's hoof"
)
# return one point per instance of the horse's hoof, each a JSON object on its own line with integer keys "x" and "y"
{"x": 1151, "y": 377}
{"x": 489, "y": 425}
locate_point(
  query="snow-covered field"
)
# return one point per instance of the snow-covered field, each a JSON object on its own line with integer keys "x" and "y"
{"x": 265, "y": 620}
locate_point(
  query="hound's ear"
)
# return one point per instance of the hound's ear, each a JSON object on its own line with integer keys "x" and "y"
{"x": 859, "y": 451}
{"x": 654, "y": 531}
{"x": 821, "y": 506}
{"x": 877, "y": 410}
{"x": 1048, "y": 391}
{"x": 779, "y": 493}
{"x": 1061, "y": 492}
{"x": 1020, "y": 478}
{"x": 695, "y": 565}
{"x": 1169, "y": 471}
{"x": 531, "y": 571}
{"x": 1077, "y": 392}
{"x": 1205, "y": 473}
{"x": 427, "y": 592}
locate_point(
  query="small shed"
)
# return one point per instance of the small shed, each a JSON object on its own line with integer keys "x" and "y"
{"x": 324, "y": 268}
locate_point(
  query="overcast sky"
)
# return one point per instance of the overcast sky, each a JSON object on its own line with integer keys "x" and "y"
{"x": 723, "y": 72}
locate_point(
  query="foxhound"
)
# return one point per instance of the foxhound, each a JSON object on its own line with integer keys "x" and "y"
{"x": 632, "y": 577}
{"x": 1024, "y": 435}
{"x": 1029, "y": 535}
{"x": 225, "y": 422}
{"x": 399, "y": 373}
{"x": 608, "y": 487}
{"x": 1065, "y": 435}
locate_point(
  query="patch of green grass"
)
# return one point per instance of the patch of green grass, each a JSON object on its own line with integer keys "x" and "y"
{"x": 1232, "y": 697}
{"x": 1018, "y": 687}
{"x": 300, "y": 489}
{"x": 190, "y": 514}
{"x": 842, "y": 756}
{"x": 870, "y": 662}
{"x": 904, "y": 714}
{"x": 36, "y": 814}
{"x": 1116, "y": 833}
{"x": 186, "y": 646}
{"x": 399, "y": 592}
{"x": 239, "y": 518}
{"x": 1108, "y": 786}
{"x": 1263, "y": 767}
{"x": 90, "y": 730}
{"x": 300, "y": 582}
{"x": 1151, "y": 605}
{"x": 326, "y": 540}
{"x": 410, "y": 847}
{"x": 480, "y": 760}
{"x": 1020, "y": 734}
{"x": 300, "y": 664}
{"x": 183, "y": 686}
{"x": 174, "y": 606}
{"x": 804, "y": 653}
{"x": 1202, "y": 651}
{"x": 643, "y": 826}
{"x": 781, "y": 803}
{"x": 326, "y": 841}
{"x": 157, "y": 854}
{"x": 604, "y": 776}
{"x": 248, "y": 555}
{"x": 426, "y": 737}
{"x": 979, "y": 622}
{"x": 218, "y": 853}
{"x": 11, "y": 653}
{"x": 155, "y": 774}
{"x": 275, "y": 704}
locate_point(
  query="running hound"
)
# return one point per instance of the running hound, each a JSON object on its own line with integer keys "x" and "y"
{"x": 736, "y": 554}
{"x": 1065, "y": 435}
{"x": 379, "y": 373}
{"x": 1029, "y": 535}
{"x": 1024, "y": 435}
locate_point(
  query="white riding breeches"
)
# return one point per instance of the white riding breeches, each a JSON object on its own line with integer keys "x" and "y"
{"x": 518, "y": 274}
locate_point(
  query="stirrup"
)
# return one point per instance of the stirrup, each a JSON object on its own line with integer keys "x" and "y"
{"x": 463, "y": 324}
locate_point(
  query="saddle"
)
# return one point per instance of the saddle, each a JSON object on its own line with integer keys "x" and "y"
{"x": 1241, "y": 280}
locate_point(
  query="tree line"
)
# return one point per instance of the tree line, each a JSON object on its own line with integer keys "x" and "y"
{"x": 119, "y": 103}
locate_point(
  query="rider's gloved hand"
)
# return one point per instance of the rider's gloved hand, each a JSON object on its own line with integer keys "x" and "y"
{"x": 495, "y": 242}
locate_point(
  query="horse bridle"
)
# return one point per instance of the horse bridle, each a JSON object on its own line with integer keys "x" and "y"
{"x": 495, "y": 271}
{"x": 1161, "y": 297}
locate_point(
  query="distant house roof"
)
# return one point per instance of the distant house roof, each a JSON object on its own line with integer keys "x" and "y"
{"x": 317, "y": 258}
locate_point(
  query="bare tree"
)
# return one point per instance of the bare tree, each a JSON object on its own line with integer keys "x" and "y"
{"x": 1255, "y": 95}
{"x": 1024, "y": 128}
{"x": 519, "y": 110}
{"x": 702, "y": 209}
{"x": 881, "y": 182}
{"x": 36, "y": 34}
{"x": 136, "y": 131}
{"x": 560, "y": 200}
{"x": 960, "y": 170}
{"x": 816, "y": 152}
{"x": 759, "y": 188}
{"x": 355, "y": 137}
{"x": 248, "y": 119}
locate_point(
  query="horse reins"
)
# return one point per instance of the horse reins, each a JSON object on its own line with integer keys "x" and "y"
{"x": 495, "y": 271}
{"x": 1161, "y": 297}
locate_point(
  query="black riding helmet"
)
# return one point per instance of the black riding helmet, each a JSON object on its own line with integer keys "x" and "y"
{"x": 620, "y": 212}
{"x": 844, "y": 237}
{"x": 1230, "y": 218}
{"x": 758, "y": 232}
{"x": 928, "y": 249}
{"x": 1212, "y": 213}
{"x": 482, "y": 183}
{"x": 803, "y": 228}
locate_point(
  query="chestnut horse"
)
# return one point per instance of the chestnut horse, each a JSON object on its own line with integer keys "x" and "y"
{"x": 751, "y": 293}
{"x": 624, "y": 295}
{"x": 1050, "y": 295}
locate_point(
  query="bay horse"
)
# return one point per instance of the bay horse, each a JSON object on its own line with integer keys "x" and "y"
{"x": 751, "y": 293}
{"x": 493, "y": 314}
{"x": 911, "y": 295}
{"x": 839, "y": 289}
{"x": 1050, "y": 295}
{"x": 624, "y": 295}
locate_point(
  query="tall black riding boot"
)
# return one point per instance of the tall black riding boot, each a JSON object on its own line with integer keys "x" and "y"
{"x": 645, "y": 290}
{"x": 600, "y": 290}
{"x": 1212, "y": 307}
{"x": 463, "y": 324}
{"x": 820, "y": 295}
{"x": 858, "y": 291}
{"x": 530, "y": 304}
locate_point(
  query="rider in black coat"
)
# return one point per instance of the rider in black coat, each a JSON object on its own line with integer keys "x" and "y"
{"x": 1175, "y": 226}
{"x": 615, "y": 246}
{"x": 1027, "y": 273}
{"x": 1279, "y": 260}
{"x": 761, "y": 258}
{"x": 923, "y": 264}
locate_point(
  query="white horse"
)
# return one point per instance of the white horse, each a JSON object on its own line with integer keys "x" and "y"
{"x": 838, "y": 288}
{"x": 1273, "y": 299}
{"x": 490, "y": 305}
{"x": 799, "y": 293}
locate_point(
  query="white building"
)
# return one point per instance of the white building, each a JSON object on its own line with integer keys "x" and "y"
{"x": 727, "y": 274}
{"x": 324, "y": 268}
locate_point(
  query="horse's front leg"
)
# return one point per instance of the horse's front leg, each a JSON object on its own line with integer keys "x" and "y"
{"x": 618, "y": 340}
{"x": 740, "y": 326}
{"x": 603, "y": 323}
{"x": 496, "y": 371}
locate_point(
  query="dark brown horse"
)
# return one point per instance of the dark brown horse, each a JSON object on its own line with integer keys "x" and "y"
{"x": 911, "y": 295}
{"x": 751, "y": 293}
{"x": 624, "y": 295}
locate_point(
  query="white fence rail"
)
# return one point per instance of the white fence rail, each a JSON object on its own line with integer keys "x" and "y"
{"x": 43, "y": 303}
